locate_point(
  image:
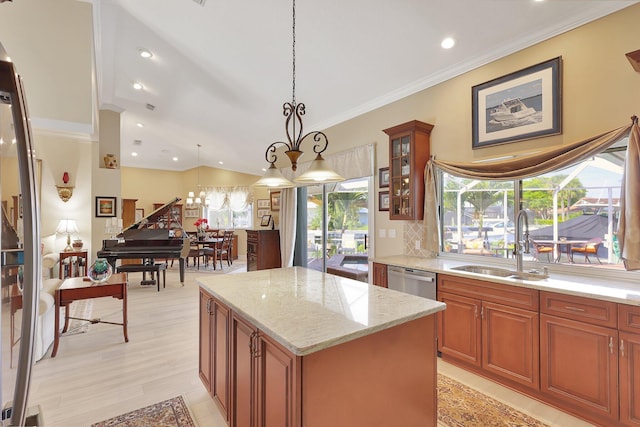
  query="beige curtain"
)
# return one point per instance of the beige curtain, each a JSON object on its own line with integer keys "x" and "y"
{"x": 629, "y": 226}
{"x": 287, "y": 225}
{"x": 516, "y": 168}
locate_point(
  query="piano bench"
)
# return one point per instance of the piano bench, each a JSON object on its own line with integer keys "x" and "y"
{"x": 147, "y": 268}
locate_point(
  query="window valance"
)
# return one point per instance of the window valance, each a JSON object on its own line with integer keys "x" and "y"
{"x": 234, "y": 198}
{"x": 353, "y": 163}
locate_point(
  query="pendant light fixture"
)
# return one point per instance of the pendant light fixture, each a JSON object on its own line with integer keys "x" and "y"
{"x": 319, "y": 171}
{"x": 192, "y": 199}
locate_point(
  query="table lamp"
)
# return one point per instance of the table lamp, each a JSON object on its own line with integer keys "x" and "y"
{"x": 67, "y": 226}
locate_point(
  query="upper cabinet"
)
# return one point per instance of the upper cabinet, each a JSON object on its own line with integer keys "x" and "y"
{"x": 409, "y": 150}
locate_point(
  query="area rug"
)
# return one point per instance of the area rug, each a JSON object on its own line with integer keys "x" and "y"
{"x": 82, "y": 310}
{"x": 236, "y": 267}
{"x": 462, "y": 406}
{"x": 170, "y": 413}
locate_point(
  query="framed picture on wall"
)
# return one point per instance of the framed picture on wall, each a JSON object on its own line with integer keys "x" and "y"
{"x": 383, "y": 177}
{"x": 263, "y": 203}
{"x": 383, "y": 201}
{"x": 275, "y": 201}
{"x": 265, "y": 220}
{"x": 106, "y": 206}
{"x": 262, "y": 212}
{"x": 522, "y": 105}
{"x": 191, "y": 213}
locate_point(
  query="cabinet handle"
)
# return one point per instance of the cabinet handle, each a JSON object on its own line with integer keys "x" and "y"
{"x": 208, "y": 306}
{"x": 256, "y": 345}
{"x": 575, "y": 308}
{"x": 251, "y": 343}
{"x": 622, "y": 348}
{"x": 611, "y": 345}
{"x": 475, "y": 311}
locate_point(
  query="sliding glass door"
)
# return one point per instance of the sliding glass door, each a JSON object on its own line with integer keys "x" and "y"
{"x": 338, "y": 225}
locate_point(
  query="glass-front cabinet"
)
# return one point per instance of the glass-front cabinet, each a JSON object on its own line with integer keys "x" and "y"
{"x": 409, "y": 150}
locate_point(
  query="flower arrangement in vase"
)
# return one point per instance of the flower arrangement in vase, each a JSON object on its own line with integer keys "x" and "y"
{"x": 202, "y": 224}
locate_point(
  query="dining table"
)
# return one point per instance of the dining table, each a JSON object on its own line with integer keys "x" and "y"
{"x": 565, "y": 244}
{"x": 209, "y": 242}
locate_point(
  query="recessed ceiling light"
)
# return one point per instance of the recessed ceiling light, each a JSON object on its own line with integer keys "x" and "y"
{"x": 175, "y": 159}
{"x": 140, "y": 125}
{"x": 221, "y": 162}
{"x": 137, "y": 86}
{"x": 145, "y": 53}
{"x": 134, "y": 154}
{"x": 448, "y": 43}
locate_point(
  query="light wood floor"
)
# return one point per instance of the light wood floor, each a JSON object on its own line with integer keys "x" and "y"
{"x": 96, "y": 375}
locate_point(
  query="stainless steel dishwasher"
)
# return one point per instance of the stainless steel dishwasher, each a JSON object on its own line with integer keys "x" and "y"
{"x": 412, "y": 281}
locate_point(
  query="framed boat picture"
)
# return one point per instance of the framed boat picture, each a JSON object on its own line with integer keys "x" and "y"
{"x": 522, "y": 105}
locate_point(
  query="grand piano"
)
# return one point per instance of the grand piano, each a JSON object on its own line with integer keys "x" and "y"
{"x": 150, "y": 238}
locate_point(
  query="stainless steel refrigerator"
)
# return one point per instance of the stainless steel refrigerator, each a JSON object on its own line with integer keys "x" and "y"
{"x": 20, "y": 236}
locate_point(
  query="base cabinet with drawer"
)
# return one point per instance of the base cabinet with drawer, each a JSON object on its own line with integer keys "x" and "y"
{"x": 579, "y": 348}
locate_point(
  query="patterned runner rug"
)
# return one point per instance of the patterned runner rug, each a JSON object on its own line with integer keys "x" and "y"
{"x": 170, "y": 413}
{"x": 462, "y": 406}
{"x": 81, "y": 309}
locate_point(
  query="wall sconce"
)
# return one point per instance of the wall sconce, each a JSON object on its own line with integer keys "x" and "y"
{"x": 65, "y": 191}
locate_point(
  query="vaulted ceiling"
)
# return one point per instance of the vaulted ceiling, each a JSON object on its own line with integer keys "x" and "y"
{"x": 221, "y": 71}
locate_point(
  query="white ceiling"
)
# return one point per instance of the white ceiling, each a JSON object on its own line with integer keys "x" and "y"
{"x": 221, "y": 72}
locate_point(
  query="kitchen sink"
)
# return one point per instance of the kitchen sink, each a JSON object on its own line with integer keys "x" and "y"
{"x": 480, "y": 269}
{"x": 500, "y": 272}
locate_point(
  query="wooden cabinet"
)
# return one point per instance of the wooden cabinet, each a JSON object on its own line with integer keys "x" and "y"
{"x": 263, "y": 249}
{"x": 174, "y": 217}
{"x": 204, "y": 337}
{"x": 490, "y": 327}
{"x": 380, "y": 275}
{"x": 409, "y": 149}
{"x": 579, "y": 363}
{"x": 629, "y": 364}
{"x": 215, "y": 350}
{"x": 269, "y": 385}
{"x": 264, "y": 379}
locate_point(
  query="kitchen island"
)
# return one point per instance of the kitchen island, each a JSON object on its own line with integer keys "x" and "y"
{"x": 296, "y": 347}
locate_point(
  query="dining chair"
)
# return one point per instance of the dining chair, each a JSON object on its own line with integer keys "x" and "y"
{"x": 541, "y": 248}
{"x": 224, "y": 250}
{"x": 589, "y": 248}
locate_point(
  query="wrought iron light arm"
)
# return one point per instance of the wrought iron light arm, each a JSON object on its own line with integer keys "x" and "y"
{"x": 293, "y": 111}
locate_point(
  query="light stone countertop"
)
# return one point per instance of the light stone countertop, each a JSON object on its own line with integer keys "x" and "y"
{"x": 307, "y": 311}
{"x": 614, "y": 290}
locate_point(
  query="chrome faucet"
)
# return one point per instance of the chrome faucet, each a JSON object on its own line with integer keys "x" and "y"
{"x": 521, "y": 246}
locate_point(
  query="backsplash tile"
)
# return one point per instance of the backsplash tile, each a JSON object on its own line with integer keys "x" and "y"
{"x": 412, "y": 232}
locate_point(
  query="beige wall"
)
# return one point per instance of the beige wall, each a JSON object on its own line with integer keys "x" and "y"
{"x": 151, "y": 186}
{"x": 600, "y": 93}
{"x": 28, "y": 29}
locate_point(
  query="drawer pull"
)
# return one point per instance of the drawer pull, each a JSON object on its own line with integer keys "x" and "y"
{"x": 622, "y": 348}
{"x": 611, "y": 345}
{"x": 570, "y": 308}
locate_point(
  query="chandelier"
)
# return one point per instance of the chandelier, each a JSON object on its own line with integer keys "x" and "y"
{"x": 319, "y": 171}
{"x": 201, "y": 199}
